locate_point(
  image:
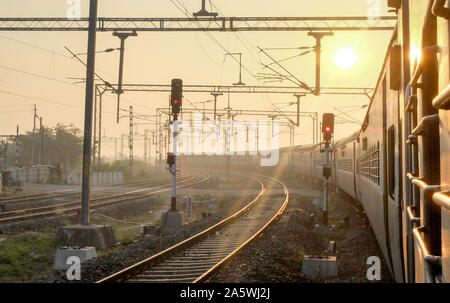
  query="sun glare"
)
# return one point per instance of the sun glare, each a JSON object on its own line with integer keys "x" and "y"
{"x": 415, "y": 54}
{"x": 345, "y": 57}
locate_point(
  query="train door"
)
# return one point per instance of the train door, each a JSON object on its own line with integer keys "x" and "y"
{"x": 385, "y": 183}
{"x": 354, "y": 172}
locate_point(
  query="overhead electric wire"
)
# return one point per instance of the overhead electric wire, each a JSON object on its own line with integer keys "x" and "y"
{"x": 50, "y": 78}
{"x": 187, "y": 13}
{"x": 35, "y": 46}
{"x": 267, "y": 97}
{"x": 58, "y": 80}
{"x": 47, "y": 50}
{"x": 350, "y": 117}
{"x": 39, "y": 99}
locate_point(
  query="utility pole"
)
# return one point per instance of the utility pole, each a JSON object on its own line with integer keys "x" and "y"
{"x": 5, "y": 155}
{"x": 318, "y": 48}
{"x": 122, "y": 143}
{"x": 130, "y": 141}
{"x": 99, "y": 158}
{"x": 115, "y": 148}
{"x": 122, "y": 37}
{"x": 33, "y": 141}
{"x": 145, "y": 146}
{"x": 272, "y": 117}
{"x": 291, "y": 144}
{"x": 298, "y": 96}
{"x": 240, "y": 67}
{"x": 85, "y": 193}
{"x": 215, "y": 94}
{"x": 41, "y": 145}
{"x": 94, "y": 141}
{"x": 17, "y": 147}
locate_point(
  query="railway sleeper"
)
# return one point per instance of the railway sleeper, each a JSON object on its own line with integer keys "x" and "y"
{"x": 173, "y": 271}
{"x": 167, "y": 276}
{"x": 160, "y": 281}
{"x": 185, "y": 264}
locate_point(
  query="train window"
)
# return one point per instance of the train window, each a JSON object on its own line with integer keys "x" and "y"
{"x": 395, "y": 67}
{"x": 369, "y": 164}
{"x": 391, "y": 161}
{"x": 364, "y": 144}
{"x": 395, "y": 4}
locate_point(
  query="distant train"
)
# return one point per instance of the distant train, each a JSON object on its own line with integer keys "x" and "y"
{"x": 398, "y": 164}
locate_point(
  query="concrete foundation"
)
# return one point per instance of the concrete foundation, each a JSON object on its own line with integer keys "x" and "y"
{"x": 98, "y": 236}
{"x": 62, "y": 256}
{"x": 172, "y": 220}
{"x": 319, "y": 267}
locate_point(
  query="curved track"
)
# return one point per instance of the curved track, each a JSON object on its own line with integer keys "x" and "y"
{"x": 196, "y": 258}
{"x": 74, "y": 207}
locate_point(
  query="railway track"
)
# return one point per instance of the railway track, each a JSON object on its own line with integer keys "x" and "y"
{"x": 96, "y": 203}
{"x": 70, "y": 192}
{"x": 197, "y": 258}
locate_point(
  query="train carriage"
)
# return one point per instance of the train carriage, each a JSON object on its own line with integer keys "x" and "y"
{"x": 345, "y": 164}
{"x": 397, "y": 165}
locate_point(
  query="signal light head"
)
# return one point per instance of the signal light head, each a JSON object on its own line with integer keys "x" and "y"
{"x": 327, "y": 126}
{"x": 176, "y": 97}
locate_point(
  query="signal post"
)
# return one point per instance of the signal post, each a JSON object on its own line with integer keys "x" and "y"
{"x": 327, "y": 131}
{"x": 174, "y": 219}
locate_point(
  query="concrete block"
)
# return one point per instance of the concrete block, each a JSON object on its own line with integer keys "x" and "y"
{"x": 319, "y": 267}
{"x": 98, "y": 236}
{"x": 331, "y": 247}
{"x": 172, "y": 220}
{"x": 143, "y": 229}
{"x": 63, "y": 254}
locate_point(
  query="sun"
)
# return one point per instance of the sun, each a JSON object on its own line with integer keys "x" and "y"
{"x": 345, "y": 57}
{"x": 415, "y": 54}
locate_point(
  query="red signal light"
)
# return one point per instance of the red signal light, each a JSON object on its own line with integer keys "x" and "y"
{"x": 175, "y": 101}
{"x": 327, "y": 129}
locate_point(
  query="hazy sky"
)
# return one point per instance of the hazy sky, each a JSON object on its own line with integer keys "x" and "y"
{"x": 156, "y": 58}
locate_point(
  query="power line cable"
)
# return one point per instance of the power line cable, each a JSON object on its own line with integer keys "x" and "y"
{"x": 60, "y": 81}
{"x": 48, "y": 50}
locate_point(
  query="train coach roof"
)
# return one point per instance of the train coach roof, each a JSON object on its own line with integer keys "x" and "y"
{"x": 306, "y": 148}
{"x": 347, "y": 139}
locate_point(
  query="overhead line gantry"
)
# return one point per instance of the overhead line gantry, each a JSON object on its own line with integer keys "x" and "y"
{"x": 212, "y": 24}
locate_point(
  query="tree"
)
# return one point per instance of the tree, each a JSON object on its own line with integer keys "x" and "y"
{"x": 62, "y": 144}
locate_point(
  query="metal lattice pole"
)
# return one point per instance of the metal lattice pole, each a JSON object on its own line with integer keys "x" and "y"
{"x": 130, "y": 141}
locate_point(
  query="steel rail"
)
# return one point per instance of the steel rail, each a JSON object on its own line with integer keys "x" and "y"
{"x": 14, "y": 200}
{"x": 71, "y": 207}
{"x": 92, "y": 207}
{"x": 139, "y": 267}
{"x": 207, "y": 274}
{"x": 74, "y": 203}
{"x": 202, "y": 254}
{"x": 45, "y": 195}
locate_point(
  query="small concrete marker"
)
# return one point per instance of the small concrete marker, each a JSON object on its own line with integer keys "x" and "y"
{"x": 144, "y": 229}
{"x": 319, "y": 267}
{"x": 331, "y": 246}
{"x": 63, "y": 254}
